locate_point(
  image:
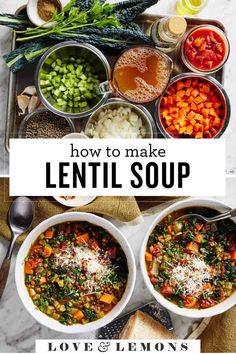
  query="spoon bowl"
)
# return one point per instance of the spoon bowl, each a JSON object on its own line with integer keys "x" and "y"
{"x": 21, "y": 214}
{"x": 20, "y": 218}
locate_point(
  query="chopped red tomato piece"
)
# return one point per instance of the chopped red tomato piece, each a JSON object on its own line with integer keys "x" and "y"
{"x": 166, "y": 290}
{"x": 233, "y": 255}
{"x": 205, "y": 49}
{"x": 205, "y": 303}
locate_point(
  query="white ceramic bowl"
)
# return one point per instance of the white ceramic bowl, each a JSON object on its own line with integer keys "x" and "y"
{"x": 212, "y": 311}
{"x": 23, "y": 293}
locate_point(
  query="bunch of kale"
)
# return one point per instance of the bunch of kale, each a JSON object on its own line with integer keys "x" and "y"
{"x": 107, "y": 26}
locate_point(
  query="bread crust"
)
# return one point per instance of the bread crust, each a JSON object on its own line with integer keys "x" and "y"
{"x": 143, "y": 326}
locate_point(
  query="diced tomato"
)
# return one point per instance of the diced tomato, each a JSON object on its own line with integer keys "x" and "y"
{"x": 154, "y": 280}
{"x": 107, "y": 307}
{"x": 205, "y": 303}
{"x": 192, "y": 247}
{"x": 34, "y": 262}
{"x": 155, "y": 249}
{"x": 233, "y": 255}
{"x": 232, "y": 236}
{"x": 63, "y": 246}
{"x": 166, "y": 290}
{"x": 205, "y": 49}
{"x": 36, "y": 249}
{"x": 190, "y": 301}
{"x": 112, "y": 251}
{"x": 31, "y": 264}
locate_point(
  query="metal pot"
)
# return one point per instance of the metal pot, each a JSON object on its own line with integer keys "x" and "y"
{"x": 95, "y": 58}
{"x": 140, "y": 110}
{"x": 221, "y": 91}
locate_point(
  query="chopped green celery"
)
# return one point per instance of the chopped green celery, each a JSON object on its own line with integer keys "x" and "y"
{"x": 61, "y": 102}
{"x": 57, "y": 92}
{"x": 44, "y": 82}
{"x": 49, "y": 61}
{"x": 83, "y": 104}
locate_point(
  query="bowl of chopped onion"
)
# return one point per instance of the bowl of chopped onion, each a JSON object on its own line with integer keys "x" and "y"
{"x": 189, "y": 265}
{"x": 75, "y": 272}
{"x": 120, "y": 119}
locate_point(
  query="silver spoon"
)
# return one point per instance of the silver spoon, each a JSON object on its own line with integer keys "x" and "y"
{"x": 229, "y": 214}
{"x": 20, "y": 217}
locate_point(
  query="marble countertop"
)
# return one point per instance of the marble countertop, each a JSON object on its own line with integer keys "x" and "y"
{"x": 18, "y": 330}
{"x": 222, "y": 10}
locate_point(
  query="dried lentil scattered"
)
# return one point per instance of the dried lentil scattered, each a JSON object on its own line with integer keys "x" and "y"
{"x": 46, "y": 125}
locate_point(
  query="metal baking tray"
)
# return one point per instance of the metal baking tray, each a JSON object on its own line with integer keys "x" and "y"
{"x": 25, "y": 77}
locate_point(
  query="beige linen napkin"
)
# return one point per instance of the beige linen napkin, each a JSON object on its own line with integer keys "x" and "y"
{"x": 219, "y": 336}
{"x": 124, "y": 209}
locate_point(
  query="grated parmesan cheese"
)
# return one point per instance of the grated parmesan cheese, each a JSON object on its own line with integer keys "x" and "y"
{"x": 191, "y": 276}
{"x": 94, "y": 266}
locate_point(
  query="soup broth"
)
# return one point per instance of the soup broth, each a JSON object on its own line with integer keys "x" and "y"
{"x": 141, "y": 74}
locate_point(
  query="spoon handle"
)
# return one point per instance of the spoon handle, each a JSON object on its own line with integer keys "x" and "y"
{"x": 4, "y": 271}
{"x": 233, "y": 212}
{"x": 229, "y": 214}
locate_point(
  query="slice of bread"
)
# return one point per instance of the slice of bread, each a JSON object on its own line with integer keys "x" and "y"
{"x": 143, "y": 326}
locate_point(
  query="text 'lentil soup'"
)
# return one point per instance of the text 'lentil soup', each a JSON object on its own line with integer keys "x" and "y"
{"x": 76, "y": 272}
{"x": 192, "y": 264}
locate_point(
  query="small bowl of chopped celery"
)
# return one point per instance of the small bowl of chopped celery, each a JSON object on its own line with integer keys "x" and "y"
{"x": 120, "y": 119}
{"x": 68, "y": 79}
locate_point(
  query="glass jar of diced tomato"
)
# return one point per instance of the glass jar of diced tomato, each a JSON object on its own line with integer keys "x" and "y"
{"x": 205, "y": 49}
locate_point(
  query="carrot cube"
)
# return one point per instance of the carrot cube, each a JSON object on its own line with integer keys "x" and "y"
{"x": 203, "y": 96}
{"x": 181, "y": 93}
{"x": 78, "y": 315}
{"x": 193, "y": 106}
{"x": 188, "y": 83}
{"x": 82, "y": 239}
{"x": 180, "y": 85}
{"x": 199, "y": 135}
{"x": 188, "y": 91}
{"x": 191, "y": 115}
{"x": 195, "y": 93}
{"x": 148, "y": 257}
{"x": 107, "y": 298}
{"x": 200, "y": 106}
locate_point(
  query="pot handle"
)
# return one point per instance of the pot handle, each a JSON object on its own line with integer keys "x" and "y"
{"x": 104, "y": 88}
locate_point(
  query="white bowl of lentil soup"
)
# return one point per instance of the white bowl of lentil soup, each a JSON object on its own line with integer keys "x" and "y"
{"x": 75, "y": 272}
{"x": 190, "y": 266}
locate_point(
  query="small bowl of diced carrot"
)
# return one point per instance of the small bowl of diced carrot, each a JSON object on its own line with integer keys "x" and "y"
{"x": 193, "y": 106}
